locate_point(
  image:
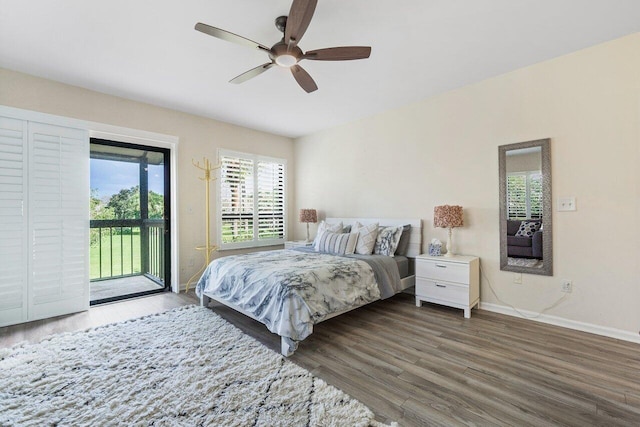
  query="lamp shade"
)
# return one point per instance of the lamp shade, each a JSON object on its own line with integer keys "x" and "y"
{"x": 308, "y": 215}
{"x": 447, "y": 216}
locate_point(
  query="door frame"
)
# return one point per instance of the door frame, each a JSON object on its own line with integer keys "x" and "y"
{"x": 143, "y": 222}
{"x": 142, "y": 138}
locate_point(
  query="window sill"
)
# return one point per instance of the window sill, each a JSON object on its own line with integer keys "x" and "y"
{"x": 249, "y": 245}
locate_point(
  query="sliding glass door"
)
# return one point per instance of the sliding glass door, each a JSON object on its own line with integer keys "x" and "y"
{"x": 130, "y": 240}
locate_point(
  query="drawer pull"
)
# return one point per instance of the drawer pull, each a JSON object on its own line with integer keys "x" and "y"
{"x": 441, "y": 266}
{"x": 441, "y": 286}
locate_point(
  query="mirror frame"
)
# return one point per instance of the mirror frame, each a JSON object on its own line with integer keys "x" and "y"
{"x": 547, "y": 235}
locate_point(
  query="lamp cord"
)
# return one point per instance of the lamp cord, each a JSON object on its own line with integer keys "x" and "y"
{"x": 493, "y": 291}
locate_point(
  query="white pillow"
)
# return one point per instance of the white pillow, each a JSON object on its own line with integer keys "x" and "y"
{"x": 332, "y": 228}
{"x": 387, "y": 241}
{"x": 366, "y": 238}
{"x": 337, "y": 243}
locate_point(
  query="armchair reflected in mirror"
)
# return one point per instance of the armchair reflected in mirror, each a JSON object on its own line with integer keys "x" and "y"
{"x": 525, "y": 207}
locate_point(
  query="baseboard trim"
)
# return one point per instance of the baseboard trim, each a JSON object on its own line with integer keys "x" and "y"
{"x": 565, "y": 323}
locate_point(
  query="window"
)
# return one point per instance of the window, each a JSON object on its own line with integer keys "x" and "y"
{"x": 251, "y": 200}
{"x": 524, "y": 195}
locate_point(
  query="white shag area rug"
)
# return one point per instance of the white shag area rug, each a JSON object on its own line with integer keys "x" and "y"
{"x": 184, "y": 367}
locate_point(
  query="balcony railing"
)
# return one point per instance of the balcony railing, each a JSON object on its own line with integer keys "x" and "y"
{"x": 130, "y": 247}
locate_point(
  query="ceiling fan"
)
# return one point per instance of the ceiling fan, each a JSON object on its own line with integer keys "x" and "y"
{"x": 286, "y": 52}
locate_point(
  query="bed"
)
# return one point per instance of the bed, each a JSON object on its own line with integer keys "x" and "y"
{"x": 291, "y": 290}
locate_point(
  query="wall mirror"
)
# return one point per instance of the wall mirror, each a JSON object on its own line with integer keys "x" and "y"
{"x": 525, "y": 207}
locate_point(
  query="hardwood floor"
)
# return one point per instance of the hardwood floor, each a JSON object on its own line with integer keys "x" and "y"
{"x": 430, "y": 366}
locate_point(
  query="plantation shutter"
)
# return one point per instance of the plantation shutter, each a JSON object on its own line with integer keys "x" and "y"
{"x": 13, "y": 221}
{"x": 44, "y": 220}
{"x": 59, "y": 218}
{"x": 516, "y": 196}
{"x": 270, "y": 200}
{"x": 251, "y": 202}
{"x": 236, "y": 201}
{"x": 524, "y": 195}
{"x": 535, "y": 195}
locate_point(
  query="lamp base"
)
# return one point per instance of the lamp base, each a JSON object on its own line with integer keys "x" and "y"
{"x": 449, "y": 245}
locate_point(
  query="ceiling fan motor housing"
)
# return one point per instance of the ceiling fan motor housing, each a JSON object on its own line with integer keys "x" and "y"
{"x": 281, "y": 49}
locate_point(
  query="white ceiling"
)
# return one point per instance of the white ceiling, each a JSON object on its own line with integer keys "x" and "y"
{"x": 147, "y": 50}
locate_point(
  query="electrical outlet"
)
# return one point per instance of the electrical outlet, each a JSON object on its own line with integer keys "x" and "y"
{"x": 567, "y": 286}
{"x": 517, "y": 278}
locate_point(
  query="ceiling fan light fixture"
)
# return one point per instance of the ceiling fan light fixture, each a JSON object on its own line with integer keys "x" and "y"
{"x": 286, "y": 60}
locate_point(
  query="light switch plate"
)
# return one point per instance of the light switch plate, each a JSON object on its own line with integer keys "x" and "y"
{"x": 566, "y": 204}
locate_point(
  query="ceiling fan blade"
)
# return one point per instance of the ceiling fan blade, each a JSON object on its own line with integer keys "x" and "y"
{"x": 251, "y": 73}
{"x": 298, "y": 20}
{"x": 303, "y": 78}
{"x": 227, "y": 36}
{"x": 344, "y": 53}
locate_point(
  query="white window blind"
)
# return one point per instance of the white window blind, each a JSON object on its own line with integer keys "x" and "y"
{"x": 524, "y": 195}
{"x": 14, "y": 235}
{"x": 251, "y": 203}
{"x": 59, "y": 216}
{"x": 535, "y": 195}
{"x": 270, "y": 200}
{"x": 516, "y": 196}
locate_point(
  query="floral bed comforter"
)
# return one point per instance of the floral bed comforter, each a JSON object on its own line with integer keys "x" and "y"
{"x": 291, "y": 290}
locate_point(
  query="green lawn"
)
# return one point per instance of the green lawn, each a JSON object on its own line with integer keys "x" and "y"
{"x": 126, "y": 245}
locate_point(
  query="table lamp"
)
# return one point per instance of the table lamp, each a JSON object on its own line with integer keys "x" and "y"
{"x": 447, "y": 216}
{"x": 307, "y": 216}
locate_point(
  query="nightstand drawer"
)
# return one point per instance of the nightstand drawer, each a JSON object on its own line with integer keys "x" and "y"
{"x": 442, "y": 291}
{"x": 448, "y": 271}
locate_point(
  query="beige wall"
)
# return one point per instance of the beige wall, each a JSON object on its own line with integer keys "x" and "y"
{"x": 198, "y": 137}
{"x": 444, "y": 150}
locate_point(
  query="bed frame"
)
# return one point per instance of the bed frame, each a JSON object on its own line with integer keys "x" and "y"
{"x": 415, "y": 248}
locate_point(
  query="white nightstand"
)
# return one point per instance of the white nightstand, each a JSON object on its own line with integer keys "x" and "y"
{"x": 296, "y": 244}
{"x": 452, "y": 281}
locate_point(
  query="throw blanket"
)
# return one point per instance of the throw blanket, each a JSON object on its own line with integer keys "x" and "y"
{"x": 290, "y": 290}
